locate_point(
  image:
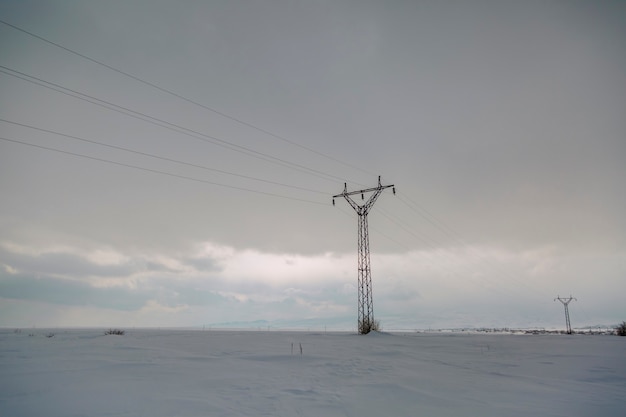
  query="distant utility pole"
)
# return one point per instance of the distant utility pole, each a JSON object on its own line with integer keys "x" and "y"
{"x": 565, "y": 302}
{"x": 365, "y": 304}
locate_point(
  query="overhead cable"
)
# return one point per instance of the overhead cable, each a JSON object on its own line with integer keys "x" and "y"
{"x": 162, "y": 157}
{"x": 181, "y": 97}
{"x": 156, "y": 171}
{"x": 167, "y": 125}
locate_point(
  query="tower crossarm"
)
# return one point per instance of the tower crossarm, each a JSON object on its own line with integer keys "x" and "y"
{"x": 367, "y": 190}
{"x": 364, "y": 208}
{"x": 565, "y": 301}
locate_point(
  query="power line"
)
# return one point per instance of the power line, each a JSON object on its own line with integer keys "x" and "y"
{"x": 430, "y": 256}
{"x": 451, "y": 233}
{"x": 176, "y": 127}
{"x": 448, "y": 257}
{"x": 430, "y": 218}
{"x": 386, "y": 236}
{"x": 420, "y": 210}
{"x": 156, "y": 171}
{"x": 161, "y": 157}
{"x": 405, "y": 226}
{"x": 181, "y": 97}
{"x": 165, "y": 124}
{"x": 268, "y": 158}
{"x": 442, "y": 252}
{"x": 474, "y": 259}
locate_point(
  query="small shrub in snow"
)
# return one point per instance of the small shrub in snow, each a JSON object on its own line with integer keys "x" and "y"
{"x": 376, "y": 326}
{"x": 49, "y": 335}
{"x": 115, "y": 331}
{"x": 621, "y": 329}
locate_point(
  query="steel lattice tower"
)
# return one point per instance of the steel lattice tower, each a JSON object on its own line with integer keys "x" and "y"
{"x": 365, "y": 303}
{"x": 565, "y": 302}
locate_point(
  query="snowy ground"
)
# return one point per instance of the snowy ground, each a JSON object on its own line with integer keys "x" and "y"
{"x": 219, "y": 373}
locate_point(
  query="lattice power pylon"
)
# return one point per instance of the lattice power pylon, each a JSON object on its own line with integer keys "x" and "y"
{"x": 365, "y": 321}
{"x": 565, "y": 302}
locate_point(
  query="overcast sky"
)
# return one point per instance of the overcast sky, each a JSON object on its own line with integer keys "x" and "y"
{"x": 173, "y": 163}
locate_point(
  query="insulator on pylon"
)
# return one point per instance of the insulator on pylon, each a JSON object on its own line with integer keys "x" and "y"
{"x": 362, "y": 196}
{"x": 394, "y": 190}
{"x": 333, "y": 201}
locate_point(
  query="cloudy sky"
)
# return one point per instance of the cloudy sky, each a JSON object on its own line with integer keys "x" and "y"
{"x": 173, "y": 163}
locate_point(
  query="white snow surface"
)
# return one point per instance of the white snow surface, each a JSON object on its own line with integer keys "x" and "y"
{"x": 226, "y": 373}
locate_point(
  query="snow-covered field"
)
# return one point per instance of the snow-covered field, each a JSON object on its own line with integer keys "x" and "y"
{"x": 220, "y": 373}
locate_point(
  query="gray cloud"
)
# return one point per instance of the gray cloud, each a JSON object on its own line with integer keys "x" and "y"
{"x": 64, "y": 264}
{"x": 501, "y": 125}
{"x": 203, "y": 264}
{"x": 72, "y": 293}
